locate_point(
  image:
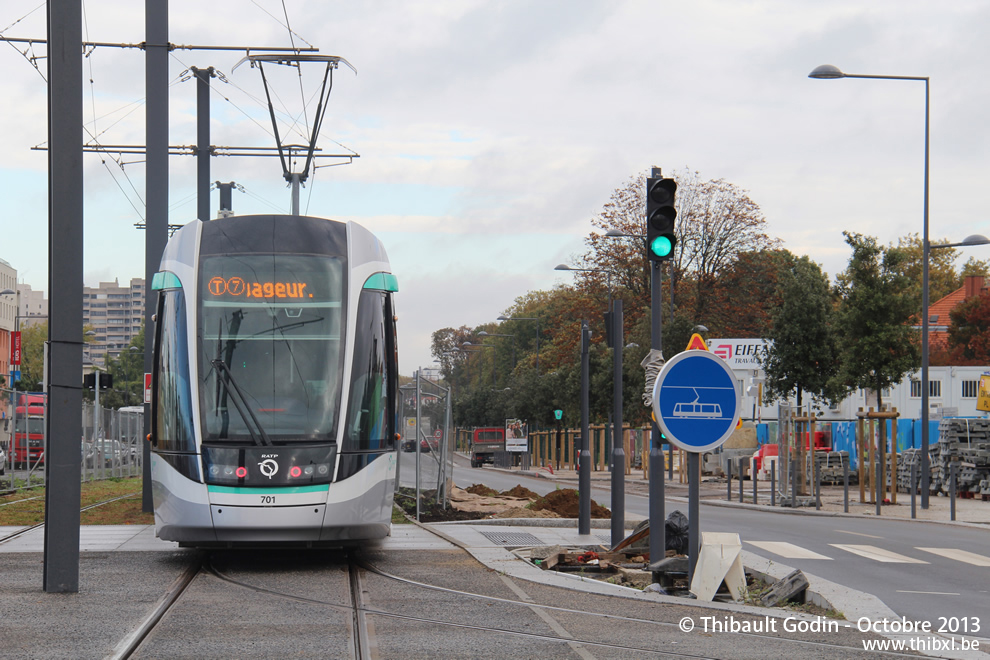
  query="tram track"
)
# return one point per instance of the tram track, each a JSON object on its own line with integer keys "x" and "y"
{"x": 649, "y": 638}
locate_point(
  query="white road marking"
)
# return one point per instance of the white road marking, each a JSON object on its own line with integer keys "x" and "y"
{"x": 959, "y": 555}
{"x": 787, "y": 550}
{"x": 877, "y": 554}
{"x": 929, "y": 593}
{"x": 869, "y": 536}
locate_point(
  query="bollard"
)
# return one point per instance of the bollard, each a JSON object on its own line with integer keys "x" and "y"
{"x": 753, "y": 478}
{"x": 773, "y": 483}
{"x": 728, "y": 480}
{"x": 952, "y": 491}
{"x": 741, "y": 470}
{"x": 793, "y": 483}
{"x": 914, "y": 488}
{"x": 879, "y": 489}
{"x": 818, "y": 487}
{"x": 845, "y": 486}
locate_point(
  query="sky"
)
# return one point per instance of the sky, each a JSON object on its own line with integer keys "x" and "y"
{"x": 489, "y": 133}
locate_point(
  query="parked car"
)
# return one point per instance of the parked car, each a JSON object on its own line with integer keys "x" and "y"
{"x": 429, "y": 444}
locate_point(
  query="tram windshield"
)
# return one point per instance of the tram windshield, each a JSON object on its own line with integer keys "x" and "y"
{"x": 270, "y": 347}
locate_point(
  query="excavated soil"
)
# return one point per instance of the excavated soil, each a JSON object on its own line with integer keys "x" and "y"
{"x": 478, "y": 502}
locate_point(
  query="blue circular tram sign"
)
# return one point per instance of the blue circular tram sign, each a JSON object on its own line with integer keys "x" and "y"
{"x": 695, "y": 401}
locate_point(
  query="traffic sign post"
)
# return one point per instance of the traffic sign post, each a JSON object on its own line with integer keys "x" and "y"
{"x": 696, "y": 404}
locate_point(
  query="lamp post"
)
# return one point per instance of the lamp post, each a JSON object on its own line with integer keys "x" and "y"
{"x": 618, "y": 455}
{"x": 528, "y": 318}
{"x": 829, "y": 72}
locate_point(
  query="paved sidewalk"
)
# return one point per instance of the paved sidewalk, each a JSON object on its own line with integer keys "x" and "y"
{"x": 713, "y": 491}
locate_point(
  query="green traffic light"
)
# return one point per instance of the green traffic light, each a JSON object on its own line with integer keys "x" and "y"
{"x": 662, "y": 246}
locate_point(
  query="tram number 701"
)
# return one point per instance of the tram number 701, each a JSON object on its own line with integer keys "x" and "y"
{"x": 268, "y": 499}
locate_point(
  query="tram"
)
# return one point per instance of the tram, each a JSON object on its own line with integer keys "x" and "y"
{"x": 274, "y": 384}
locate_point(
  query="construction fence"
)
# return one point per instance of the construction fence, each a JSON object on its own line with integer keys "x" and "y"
{"x": 111, "y": 444}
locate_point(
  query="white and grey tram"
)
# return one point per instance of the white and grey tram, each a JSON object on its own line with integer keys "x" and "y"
{"x": 274, "y": 383}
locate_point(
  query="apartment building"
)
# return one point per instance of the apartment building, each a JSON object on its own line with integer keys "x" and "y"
{"x": 112, "y": 315}
{"x": 8, "y": 314}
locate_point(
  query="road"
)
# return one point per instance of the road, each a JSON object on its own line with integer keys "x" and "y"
{"x": 923, "y": 571}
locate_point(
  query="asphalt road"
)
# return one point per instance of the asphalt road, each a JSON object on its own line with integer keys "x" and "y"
{"x": 918, "y": 584}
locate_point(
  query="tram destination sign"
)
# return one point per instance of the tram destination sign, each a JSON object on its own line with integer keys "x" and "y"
{"x": 695, "y": 401}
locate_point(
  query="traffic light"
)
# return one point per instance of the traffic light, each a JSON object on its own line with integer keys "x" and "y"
{"x": 660, "y": 216}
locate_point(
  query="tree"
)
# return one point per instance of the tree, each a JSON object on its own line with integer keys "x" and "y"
{"x": 743, "y": 298}
{"x": 803, "y": 352}
{"x": 879, "y": 344}
{"x": 942, "y": 276}
{"x": 33, "y": 357}
{"x": 127, "y": 370}
{"x": 717, "y": 221}
{"x": 969, "y": 331}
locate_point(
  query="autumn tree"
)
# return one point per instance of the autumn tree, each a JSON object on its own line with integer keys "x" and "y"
{"x": 969, "y": 331}
{"x": 879, "y": 344}
{"x": 803, "y": 352}
{"x": 716, "y": 222}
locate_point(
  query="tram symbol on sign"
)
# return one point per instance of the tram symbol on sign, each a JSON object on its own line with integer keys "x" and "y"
{"x": 697, "y": 409}
{"x": 268, "y": 467}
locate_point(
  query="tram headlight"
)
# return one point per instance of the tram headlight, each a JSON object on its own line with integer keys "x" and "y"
{"x": 323, "y": 469}
{"x": 308, "y": 470}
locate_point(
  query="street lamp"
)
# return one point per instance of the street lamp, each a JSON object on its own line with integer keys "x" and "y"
{"x": 527, "y": 318}
{"x": 829, "y": 72}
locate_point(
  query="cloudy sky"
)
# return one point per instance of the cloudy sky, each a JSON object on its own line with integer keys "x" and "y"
{"x": 489, "y": 133}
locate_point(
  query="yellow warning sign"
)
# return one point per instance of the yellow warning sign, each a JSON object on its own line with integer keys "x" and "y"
{"x": 983, "y": 398}
{"x": 696, "y": 343}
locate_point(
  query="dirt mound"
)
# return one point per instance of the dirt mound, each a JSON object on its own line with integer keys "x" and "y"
{"x": 525, "y": 513}
{"x": 484, "y": 491}
{"x": 521, "y": 491}
{"x": 565, "y": 503}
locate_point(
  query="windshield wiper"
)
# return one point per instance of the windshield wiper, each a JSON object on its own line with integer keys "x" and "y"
{"x": 231, "y": 386}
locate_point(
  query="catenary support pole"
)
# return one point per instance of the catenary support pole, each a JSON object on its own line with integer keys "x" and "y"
{"x": 156, "y": 192}
{"x": 65, "y": 283}
{"x": 202, "y": 141}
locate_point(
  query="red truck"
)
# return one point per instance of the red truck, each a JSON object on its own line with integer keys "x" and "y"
{"x": 29, "y": 429}
{"x": 484, "y": 443}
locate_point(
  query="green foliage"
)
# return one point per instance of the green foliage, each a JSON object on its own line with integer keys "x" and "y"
{"x": 128, "y": 376}
{"x": 803, "y": 355}
{"x": 879, "y": 344}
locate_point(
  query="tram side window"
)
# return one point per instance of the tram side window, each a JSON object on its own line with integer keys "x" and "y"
{"x": 173, "y": 406}
{"x": 373, "y": 377}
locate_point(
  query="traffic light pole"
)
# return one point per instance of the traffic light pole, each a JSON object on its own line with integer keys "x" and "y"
{"x": 660, "y": 215}
{"x": 658, "y": 543}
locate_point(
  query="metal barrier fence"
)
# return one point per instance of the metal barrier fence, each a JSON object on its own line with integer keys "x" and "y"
{"x": 426, "y": 456}
{"x": 110, "y": 446}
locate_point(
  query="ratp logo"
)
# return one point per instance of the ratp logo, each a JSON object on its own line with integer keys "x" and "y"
{"x": 268, "y": 467}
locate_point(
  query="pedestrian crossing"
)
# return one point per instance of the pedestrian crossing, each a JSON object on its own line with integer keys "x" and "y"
{"x": 873, "y": 552}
